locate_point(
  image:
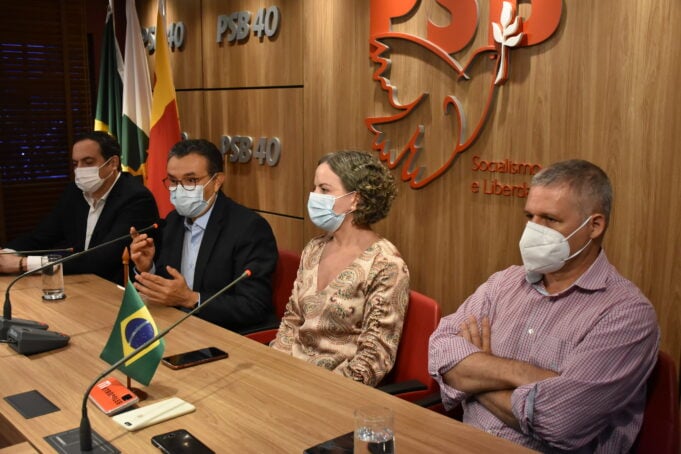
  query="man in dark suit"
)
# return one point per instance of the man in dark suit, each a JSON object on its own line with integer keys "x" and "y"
{"x": 100, "y": 205}
{"x": 207, "y": 242}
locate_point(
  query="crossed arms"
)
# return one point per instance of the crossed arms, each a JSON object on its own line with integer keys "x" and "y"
{"x": 490, "y": 378}
{"x": 578, "y": 373}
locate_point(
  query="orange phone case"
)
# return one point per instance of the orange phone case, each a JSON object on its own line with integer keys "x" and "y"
{"x": 112, "y": 397}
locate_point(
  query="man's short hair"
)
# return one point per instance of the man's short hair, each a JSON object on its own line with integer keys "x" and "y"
{"x": 201, "y": 147}
{"x": 588, "y": 182}
{"x": 108, "y": 145}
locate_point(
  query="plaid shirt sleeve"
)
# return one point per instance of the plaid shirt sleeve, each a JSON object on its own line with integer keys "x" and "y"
{"x": 447, "y": 348}
{"x": 605, "y": 369}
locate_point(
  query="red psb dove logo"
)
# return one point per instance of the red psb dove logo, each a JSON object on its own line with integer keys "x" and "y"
{"x": 429, "y": 126}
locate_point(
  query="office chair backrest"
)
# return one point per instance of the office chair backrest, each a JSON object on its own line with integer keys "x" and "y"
{"x": 411, "y": 363}
{"x": 282, "y": 284}
{"x": 283, "y": 278}
{"x": 660, "y": 432}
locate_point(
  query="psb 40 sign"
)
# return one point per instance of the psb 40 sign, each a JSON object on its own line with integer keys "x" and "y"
{"x": 236, "y": 27}
{"x": 455, "y": 112}
{"x": 240, "y": 149}
{"x": 176, "y": 33}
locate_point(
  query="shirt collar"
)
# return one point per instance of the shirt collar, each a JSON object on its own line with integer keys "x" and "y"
{"x": 90, "y": 201}
{"x": 592, "y": 279}
{"x": 200, "y": 222}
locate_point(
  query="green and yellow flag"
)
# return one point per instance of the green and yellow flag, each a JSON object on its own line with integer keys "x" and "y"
{"x": 109, "y": 111}
{"x": 133, "y": 327}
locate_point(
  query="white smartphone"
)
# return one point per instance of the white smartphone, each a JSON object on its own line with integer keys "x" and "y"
{"x": 153, "y": 414}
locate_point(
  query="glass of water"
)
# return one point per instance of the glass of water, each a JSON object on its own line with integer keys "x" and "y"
{"x": 374, "y": 431}
{"x": 53, "y": 278}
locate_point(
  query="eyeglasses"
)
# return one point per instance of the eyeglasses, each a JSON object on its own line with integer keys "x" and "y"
{"x": 189, "y": 184}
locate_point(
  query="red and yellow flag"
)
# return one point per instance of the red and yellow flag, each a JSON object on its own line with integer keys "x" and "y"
{"x": 165, "y": 121}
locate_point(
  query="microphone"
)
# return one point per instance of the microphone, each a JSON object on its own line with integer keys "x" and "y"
{"x": 37, "y": 251}
{"x": 28, "y": 341}
{"x": 6, "y": 322}
{"x": 85, "y": 429}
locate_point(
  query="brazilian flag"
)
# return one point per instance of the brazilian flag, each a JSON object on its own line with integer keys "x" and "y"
{"x": 133, "y": 327}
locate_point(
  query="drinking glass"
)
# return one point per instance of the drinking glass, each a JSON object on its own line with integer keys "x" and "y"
{"x": 374, "y": 430}
{"x": 53, "y": 278}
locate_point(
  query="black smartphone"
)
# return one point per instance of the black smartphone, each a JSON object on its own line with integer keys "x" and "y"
{"x": 188, "y": 359}
{"x": 180, "y": 442}
{"x": 343, "y": 444}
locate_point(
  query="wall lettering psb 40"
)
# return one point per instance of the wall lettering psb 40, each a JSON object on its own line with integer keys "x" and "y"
{"x": 237, "y": 25}
{"x": 239, "y": 149}
{"x": 176, "y": 33}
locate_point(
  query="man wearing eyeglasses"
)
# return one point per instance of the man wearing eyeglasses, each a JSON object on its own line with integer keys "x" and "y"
{"x": 207, "y": 242}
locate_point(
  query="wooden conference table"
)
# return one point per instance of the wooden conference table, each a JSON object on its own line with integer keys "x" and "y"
{"x": 258, "y": 400}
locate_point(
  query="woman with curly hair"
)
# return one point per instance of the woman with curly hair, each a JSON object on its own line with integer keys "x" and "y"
{"x": 349, "y": 299}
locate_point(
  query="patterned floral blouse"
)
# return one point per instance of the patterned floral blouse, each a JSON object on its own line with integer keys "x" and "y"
{"x": 353, "y": 326}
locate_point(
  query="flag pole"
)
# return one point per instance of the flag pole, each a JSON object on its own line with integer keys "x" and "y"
{"x": 125, "y": 259}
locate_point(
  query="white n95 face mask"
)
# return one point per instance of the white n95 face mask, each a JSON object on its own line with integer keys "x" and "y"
{"x": 545, "y": 250}
{"x": 87, "y": 178}
{"x": 320, "y": 209}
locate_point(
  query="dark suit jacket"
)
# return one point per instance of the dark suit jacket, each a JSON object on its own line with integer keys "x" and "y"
{"x": 236, "y": 238}
{"x": 128, "y": 204}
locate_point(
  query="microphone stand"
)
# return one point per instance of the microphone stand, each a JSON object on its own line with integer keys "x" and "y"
{"x": 125, "y": 260}
{"x": 85, "y": 429}
{"x": 7, "y": 322}
{"x": 36, "y": 251}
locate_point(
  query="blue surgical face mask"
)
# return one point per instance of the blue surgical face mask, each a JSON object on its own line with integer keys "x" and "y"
{"x": 320, "y": 209}
{"x": 190, "y": 203}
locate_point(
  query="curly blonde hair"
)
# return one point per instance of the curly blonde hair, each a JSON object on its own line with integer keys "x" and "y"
{"x": 362, "y": 172}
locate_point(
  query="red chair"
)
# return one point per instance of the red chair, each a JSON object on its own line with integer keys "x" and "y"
{"x": 660, "y": 432}
{"x": 282, "y": 284}
{"x": 409, "y": 379}
{"x": 283, "y": 279}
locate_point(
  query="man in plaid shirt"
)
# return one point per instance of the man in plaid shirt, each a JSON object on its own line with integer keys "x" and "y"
{"x": 555, "y": 354}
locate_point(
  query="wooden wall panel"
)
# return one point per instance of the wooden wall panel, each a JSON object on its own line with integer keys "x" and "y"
{"x": 191, "y": 107}
{"x": 288, "y": 231}
{"x": 262, "y": 113}
{"x": 337, "y": 82}
{"x": 187, "y": 62}
{"x": 254, "y": 62}
{"x": 287, "y": 228}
